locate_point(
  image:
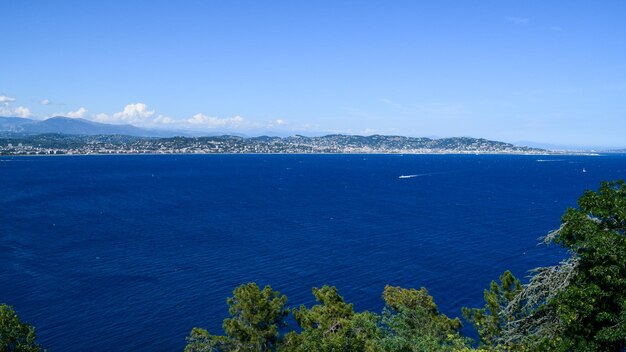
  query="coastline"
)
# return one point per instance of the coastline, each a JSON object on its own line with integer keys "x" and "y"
{"x": 356, "y": 153}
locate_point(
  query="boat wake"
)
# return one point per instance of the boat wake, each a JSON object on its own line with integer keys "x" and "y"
{"x": 426, "y": 174}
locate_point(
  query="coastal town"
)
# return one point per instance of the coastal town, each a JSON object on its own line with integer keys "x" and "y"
{"x": 61, "y": 144}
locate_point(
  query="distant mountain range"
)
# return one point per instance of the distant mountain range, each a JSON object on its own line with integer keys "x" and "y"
{"x": 78, "y": 126}
{"x": 66, "y": 125}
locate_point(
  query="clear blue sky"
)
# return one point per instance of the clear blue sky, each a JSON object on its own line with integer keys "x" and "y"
{"x": 545, "y": 71}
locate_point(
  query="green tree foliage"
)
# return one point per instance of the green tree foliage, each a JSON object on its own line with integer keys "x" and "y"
{"x": 578, "y": 305}
{"x": 15, "y": 336}
{"x": 488, "y": 320}
{"x": 412, "y": 322}
{"x": 332, "y": 325}
{"x": 592, "y": 309}
{"x": 531, "y": 320}
{"x": 256, "y": 317}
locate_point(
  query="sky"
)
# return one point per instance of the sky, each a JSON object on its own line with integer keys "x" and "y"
{"x": 542, "y": 71}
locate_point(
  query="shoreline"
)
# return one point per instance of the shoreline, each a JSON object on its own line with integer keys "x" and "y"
{"x": 373, "y": 153}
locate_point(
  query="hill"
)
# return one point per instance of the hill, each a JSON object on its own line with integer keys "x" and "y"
{"x": 76, "y": 126}
{"x": 331, "y": 144}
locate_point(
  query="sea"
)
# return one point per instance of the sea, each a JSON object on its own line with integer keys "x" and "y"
{"x": 129, "y": 253}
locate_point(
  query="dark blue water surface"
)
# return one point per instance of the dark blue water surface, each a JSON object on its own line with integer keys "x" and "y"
{"x": 125, "y": 253}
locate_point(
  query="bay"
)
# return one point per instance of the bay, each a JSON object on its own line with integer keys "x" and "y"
{"x": 126, "y": 253}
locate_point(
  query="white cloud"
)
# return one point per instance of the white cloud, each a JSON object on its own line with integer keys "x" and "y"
{"x": 137, "y": 113}
{"x": 278, "y": 123}
{"x": 102, "y": 117}
{"x": 556, "y": 28}
{"x": 6, "y": 100}
{"x": 19, "y": 111}
{"x": 6, "y": 110}
{"x": 140, "y": 115}
{"x": 78, "y": 113}
{"x": 22, "y": 111}
{"x": 518, "y": 20}
{"x": 133, "y": 112}
{"x": 163, "y": 120}
{"x": 212, "y": 122}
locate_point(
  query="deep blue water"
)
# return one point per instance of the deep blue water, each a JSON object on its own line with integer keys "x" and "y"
{"x": 125, "y": 253}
